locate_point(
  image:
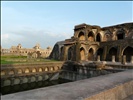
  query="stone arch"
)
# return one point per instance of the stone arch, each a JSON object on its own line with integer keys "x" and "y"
{"x": 7, "y": 82}
{"x": 19, "y": 71}
{"x": 45, "y": 77}
{"x": 82, "y": 53}
{"x": 70, "y": 53}
{"x": 40, "y": 69}
{"x": 38, "y": 54}
{"x": 11, "y": 72}
{"x": 46, "y": 69}
{"x": 128, "y": 51}
{"x": 100, "y": 53}
{"x": 55, "y": 54}
{"x": 91, "y": 54}
{"x": 25, "y": 79}
{"x": 81, "y": 36}
{"x": 52, "y": 69}
{"x": 61, "y": 49}
{"x": 91, "y": 36}
{"x": 56, "y": 68}
{"x": 27, "y": 70}
{"x": 40, "y": 78}
{"x": 61, "y": 52}
{"x": 112, "y": 52}
{"x": 32, "y": 79}
{"x": 120, "y": 34}
{"x": 107, "y": 37}
{"x": 98, "y": 37}
{"x": 3, "y": 73}
{"x": 16, "y": 81}
{"x": 34, "y": 70}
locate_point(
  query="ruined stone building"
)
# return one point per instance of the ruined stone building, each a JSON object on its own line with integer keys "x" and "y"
{"x": 92, "y": 43}
{"x": 34, "y": 52}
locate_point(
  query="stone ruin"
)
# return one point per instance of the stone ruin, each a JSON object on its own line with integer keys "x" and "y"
{"x": 93, "y": 43}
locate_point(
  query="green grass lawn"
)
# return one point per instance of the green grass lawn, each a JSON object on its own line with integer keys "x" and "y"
{"x": 23, "y": 59}
{"x": 6, "y": 62}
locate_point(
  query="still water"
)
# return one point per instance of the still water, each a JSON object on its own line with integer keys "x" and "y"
{"x": 30, "y": 86}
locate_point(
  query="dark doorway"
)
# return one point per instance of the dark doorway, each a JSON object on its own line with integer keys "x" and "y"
{"x": 98, "y": 38}
{"x": 82, "y": 53}
{"x": 90, "y": 54}
{"x": 100, "y": 53}
{"x": 81, "y": 36}
{"x": 91, "y": 36}
{"x": 128, "y": 52}
{"x": 120, "y": 35}
{"x": 112, "y": 52}
{"x": 70, "y": 54}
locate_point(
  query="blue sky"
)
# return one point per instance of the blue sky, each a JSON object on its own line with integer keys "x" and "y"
{"x": 46, "y": 22}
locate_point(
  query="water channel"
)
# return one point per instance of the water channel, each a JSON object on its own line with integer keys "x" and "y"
{"x": 30, "y": 86}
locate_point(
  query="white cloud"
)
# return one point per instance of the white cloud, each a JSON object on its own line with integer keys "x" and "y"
{"x": 19, "y": 27}
{"x": 28, "y": 37}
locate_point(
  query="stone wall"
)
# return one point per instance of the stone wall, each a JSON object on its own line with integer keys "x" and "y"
{"x": 35, "y": 52}
{"x": 25, "y": 73}
{"x": 91, "y": 41}
{"x": 119, "y": 92}
{"x": 115, "y": 86}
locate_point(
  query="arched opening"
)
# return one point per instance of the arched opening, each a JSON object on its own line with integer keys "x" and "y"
{"x": 56, "y": 68}
{"x": 81, "y": 36}
{"x": 40, "y": 70}
{"x": 51, "y": 69}
{"x": 27, "y": 70}
{"x": 32, "y": 79}
{"x": 98, "y": 37}
{"x": 100, "y": 53}
{"x": 40, "y": 78}
{"x": 90, "y": 54}
{"x": 46, "y": 69}
{"x": 16, "y": 81}
{"x": 112, "y": 52}
{"x": 61, "y": 53}
{"x": 70, "y": 54}
{"x": 11, "y": 72}
{"x": 120, "y": 35}
{"x": 107, "y": 37}
{"x": 55, "y": 52}
{"x": 19, "y": 71}
{"x": 128, "y": 52}
{"x": 82, "y": 53}
{"x": 33, "y": 70}
{"x": 91, "y": 36}
{"x": 3, "y": 73}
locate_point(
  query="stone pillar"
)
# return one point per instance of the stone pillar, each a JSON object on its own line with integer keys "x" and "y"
{"x": 113, "y": 58}
{"x": 124, "y": 59}
{"x": 104, "y": 53}
{"x": 98, "y": 58}
{"x": 119, "y": 57}
{"x": 132, "y": 59}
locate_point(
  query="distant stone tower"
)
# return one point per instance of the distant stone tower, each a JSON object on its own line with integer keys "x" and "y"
{"x": 19, "y": 46}
{"x": 37, "y": 46}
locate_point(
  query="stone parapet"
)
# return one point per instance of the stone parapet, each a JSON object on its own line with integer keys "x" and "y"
{"x": 115, "y": 86}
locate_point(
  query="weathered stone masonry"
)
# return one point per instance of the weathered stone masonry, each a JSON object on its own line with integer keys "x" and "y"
{"x": 114, "y": 43}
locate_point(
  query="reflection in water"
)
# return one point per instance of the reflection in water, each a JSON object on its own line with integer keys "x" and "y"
{"x": 29, "y": 86}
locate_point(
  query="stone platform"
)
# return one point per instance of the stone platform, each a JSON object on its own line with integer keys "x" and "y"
{"x": 117, "y": 86}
